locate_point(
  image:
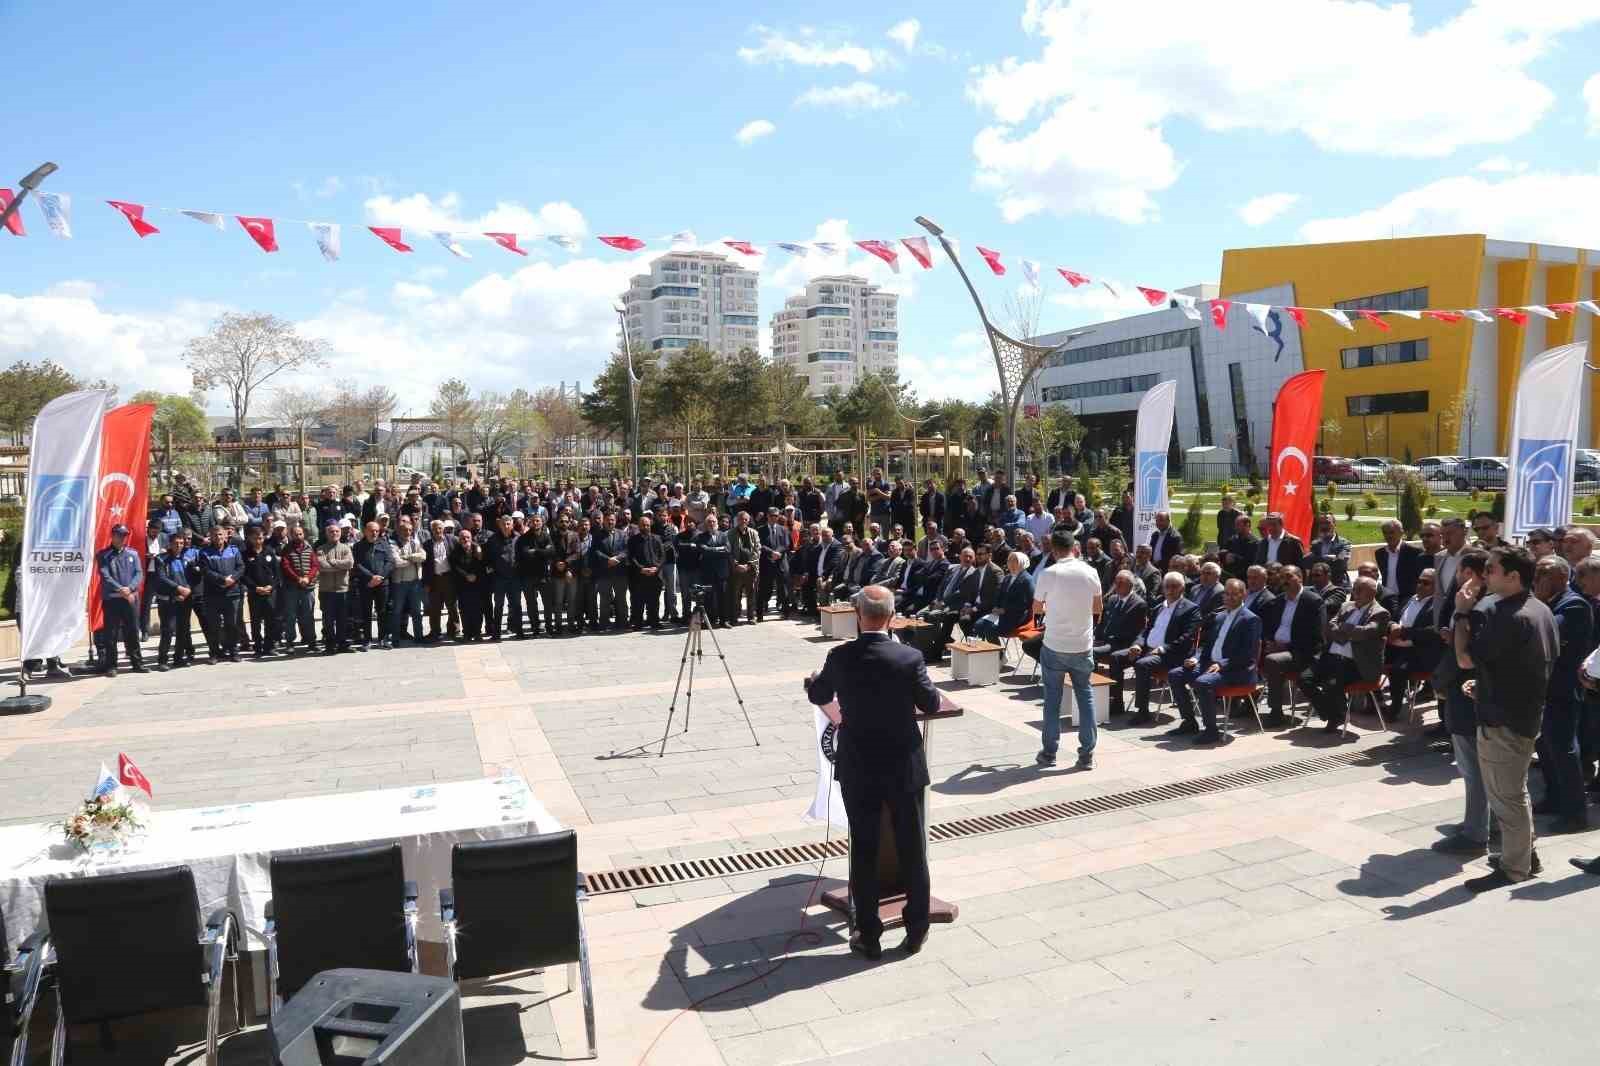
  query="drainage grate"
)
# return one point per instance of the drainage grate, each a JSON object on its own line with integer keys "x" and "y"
{"x": 658, "y": 875}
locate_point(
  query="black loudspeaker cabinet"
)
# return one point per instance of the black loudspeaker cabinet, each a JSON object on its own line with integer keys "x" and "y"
{"x": 370, "y": 1018}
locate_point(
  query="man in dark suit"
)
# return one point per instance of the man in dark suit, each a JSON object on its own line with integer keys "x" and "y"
{"x": 979, "y": 591}
{"x": 1239, "y": 548}
{"x": 1013, "y": 604}
{"x": 1321, "y": 581}
{"x": 1399, "y": 564}
{"x": 1414, "y": 644}
{"x": 1259, "y": 599}
{"x": 1277, "y": 545}
{"x": 1168, "y": 640}
{"x": 1227, "y": 656}
{"x": 1355, "y": 640}
{"x": 1207, "y": 592}
{"x": 818, "y": 559}
{"x": 1121, "y": 624}
{"x": 1164, "y": 541}
{"x": 927, "y": 581}
{"x": 1294, "y": 639}
{"x": 879, "y": 762}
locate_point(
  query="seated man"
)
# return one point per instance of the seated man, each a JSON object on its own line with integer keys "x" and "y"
{"x": 945, "y": 611}
{"x": 1293, "y": 638}
{"x": 1167, "y": 641}
{"x": 1013, "y": 605}
{"x": 1147, "y": 573}
{"x": 1414, "y": 644}
{"x": 1355, "y": 653}
{"x": 926, "y": 581}
{"x": 1321, "y": 582}
{"x": 978, "y": 591}
{"x": 1259, "y": 600}
{"x": 1207, "y": 591}
{"x": 1227, "y": 656}
{"x": 1120, "y": 627}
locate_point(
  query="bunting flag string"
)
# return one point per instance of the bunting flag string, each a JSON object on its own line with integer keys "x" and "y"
{"x": 210, "y": 218}
{"x": 450, "y": 243}
{"x": 390, "y": 235}
{"x": 993, "y": 259}
{"x": 261, "y": 231}
{"x": 57, "y": 210}
{"x": 327, "y": 235}
{"x": 508, "y": 241}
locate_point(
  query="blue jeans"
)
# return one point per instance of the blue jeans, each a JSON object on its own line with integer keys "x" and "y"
{"x": 405, "y": 602}
{"x": 1055, "y": 666}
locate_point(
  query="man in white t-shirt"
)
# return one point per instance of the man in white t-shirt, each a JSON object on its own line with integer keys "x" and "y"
{"x": 1067, "y": 593}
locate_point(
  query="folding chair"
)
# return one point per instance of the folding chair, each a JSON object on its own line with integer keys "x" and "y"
{"x": 338, "y": 909}
{"x": 517, "y": 905}
{"x": 1015, "y": 639}
{"x": 1370, "y": 689}
{"x": 22, "y": 974}
{"x": 1228, "y": 693}
{"x": 127, "y": 944}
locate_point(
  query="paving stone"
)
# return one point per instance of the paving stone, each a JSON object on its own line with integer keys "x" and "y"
{"x": 1201, "y": 862}
{"x": 1153, "y": 962}
{"x": 1273, "y": 899}
{"x": 1258, "y": 875}
{"x": 1190, "y": 890}
{"x": 1130, "y": 878}
{"x": 1261, "y": 850}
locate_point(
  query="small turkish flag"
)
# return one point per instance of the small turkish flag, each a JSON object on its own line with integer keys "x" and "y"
{"x": 1157, "y": 297}
{"x": 1219, "y": 313}
{"x": 918, "y": 247}
{"x": 1073, "y": 277}
{"x": 1512, "y": 315}
{"x": 1298, "y": 314}
{"x": 882, "y": 250}
{"x": 742, "y": 247}
{"x": 626, "y": 244}
{"x": 14, "y": 223}
{"x": 134, "y": 213}
{"x": 132, "y": 776}
{"x": 992, "y": 257}
{"x": 390, "y": 235}
{"x": 1444, "y": 316}
{"x": 508, "y": 241}
{"x": 260, "y": 230}
{"x": 1564, "y": 309}
{"x": 1372, "y": 316}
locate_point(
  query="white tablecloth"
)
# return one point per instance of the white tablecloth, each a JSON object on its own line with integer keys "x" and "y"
{"x": 229, "y": 848}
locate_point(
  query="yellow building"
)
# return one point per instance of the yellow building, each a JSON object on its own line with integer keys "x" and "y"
{"x": 1426, "y": 387}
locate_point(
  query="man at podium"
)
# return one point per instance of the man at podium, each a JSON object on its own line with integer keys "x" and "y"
{"x": 879, "y": 761}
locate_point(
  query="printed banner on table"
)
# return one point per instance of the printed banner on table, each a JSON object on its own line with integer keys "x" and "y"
{"x": 1296, "y": 416}
{"x": 828, "y": 804}
{"x": 123, "y": 497}
{"x": 1152, "y": 433}
{"x": 1544, "y": 436}
{"x": 58, "y": 526}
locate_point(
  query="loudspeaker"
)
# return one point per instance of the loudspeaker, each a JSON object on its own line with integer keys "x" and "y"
{"x": 370, "y": 1018}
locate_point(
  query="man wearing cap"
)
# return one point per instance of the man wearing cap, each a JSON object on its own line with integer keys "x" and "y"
{"x": 222, "y": 570}
{"x": 121, "y": 578}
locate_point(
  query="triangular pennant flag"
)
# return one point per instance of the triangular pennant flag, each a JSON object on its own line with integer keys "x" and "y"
{"x": 561, "y": 240}
{"x": 131, "y": 776}
{"x": 623, "y": 243}
{"x": 991, "y": 257}
{"x": 1219, "y": 313}
{"x": 1188, "y": 305}
{"x": 1540, "y": 310}
{"x": 1476, "y": 315}
{"x": 918, "y": 247}
{"x": 390, "y": 235}
{"x": 1259, "y": 312}
{"x": 57, "y": 210}
{"x": 683, "y": 236}
{"x": 1298, "y": 314}
{"x": 826, "y": 247}
{"x": 327, "y": 235}
{"x": 508, "y": 241}
{"x": 453, "y": 246}
{"x": 1511, "y": 314}
{"x": 1373, "y": 317}
{"x": 1564, "y": 308}
{"x": 793, "y": 249}
{"x": 1590, "y": 306}
{"x": 210, "y": 218}
{"x": 14, "y": 223}
{"x": 1338, "y": 316}
{"x": 1444, "y": 316}
{"x": 260, "y": 230}
{"x": 743, "y": 247}
{"x": 883, "y": 251}
{"x": 134, "y": 213}
{"x": 1154, "y": 297}
{"x": 1415, "y": 316}
{"x": 1030, "y": 270}
{"x": 1073, "y": 277}
{"x": 1112, "y": 289}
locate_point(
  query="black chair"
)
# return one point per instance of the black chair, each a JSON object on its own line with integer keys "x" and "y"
{"x": 22, "y": 973}
{"x": 126, "y": 944}
{"x": 514, "y": 905}
{"x": 333, "y": 909}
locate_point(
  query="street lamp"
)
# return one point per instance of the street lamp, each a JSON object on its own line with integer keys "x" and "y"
{"x": 29, "y": 183}
{"x": 1016, "y": 361}
{"x": 633, "y": 398}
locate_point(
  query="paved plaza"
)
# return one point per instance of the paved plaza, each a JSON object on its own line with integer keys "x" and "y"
{"x": 1299, "y": 917}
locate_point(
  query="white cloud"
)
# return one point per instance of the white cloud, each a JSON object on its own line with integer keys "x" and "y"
{"x": 1500, "y": 164}
{"x": 810, "y": 49}
{"x": 784, "y": 275}
{"x": 857, "y": 96}
{"x": 905, "y": 33}
{"x": 962, "y": 369}
{"x": 419, "y": 211}
{"x": 754, "y": 131}
{"x": 1591, "y": 99}
{"x": 1264, "y": 209}
{"x": 1549, "y": 208}
{"x": 1393, "y": 88}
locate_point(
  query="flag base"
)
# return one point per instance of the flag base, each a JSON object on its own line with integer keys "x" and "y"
{"x": 31, "y": 704}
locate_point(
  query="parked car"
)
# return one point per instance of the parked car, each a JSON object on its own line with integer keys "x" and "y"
{"x": 1326, "y": 468}
{"x": 1440, "y": 468}
{"x": 1484, "y": 472}
{"x": 1379, "y": 468}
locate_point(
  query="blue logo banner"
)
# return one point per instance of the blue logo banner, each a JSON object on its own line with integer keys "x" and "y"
{"x": 1543, "y": 484}
{"x": 60, "y": 507}
{"x": 1151, "y": 480}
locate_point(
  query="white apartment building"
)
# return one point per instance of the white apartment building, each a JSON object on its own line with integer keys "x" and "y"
{"x": 838, "y": 329}
{"x": 693, "y": 298}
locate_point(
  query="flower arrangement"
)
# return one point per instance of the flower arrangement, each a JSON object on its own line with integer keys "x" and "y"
{"x": 105, "y": 819}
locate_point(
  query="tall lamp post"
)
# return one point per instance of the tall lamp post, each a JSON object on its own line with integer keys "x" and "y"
{"x": 1016, "y": 361}
{"x": 34, "y": 179}
{"x": 633, "y": 399}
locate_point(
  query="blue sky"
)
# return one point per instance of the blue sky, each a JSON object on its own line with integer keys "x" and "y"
{"x": 1128, "y": 141}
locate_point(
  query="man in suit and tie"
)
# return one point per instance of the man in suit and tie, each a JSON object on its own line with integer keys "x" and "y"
{"x": 774, "y": 570}
{"x": 1447, "y": 579}
{"x": 1399, "y": 563}
{"x": 1013, "y": 603}
{"x": 819, "y": 563}
{"x": 1239, "y": 547}
{"x": 895, "y": 566}
{"x": 1121, "y": 625}
{"x": 1328, "y": 547}
{"x": 863, "y": 569}
{"x": 1259, "y": 599}
{"x": 926, "y": 584}
{"x": 1414, "y": 645}
{"x": 1207, "y": 593}
{"x": 980, "y": 589}
{"x": 1168, "y": 640}
{"x": 1227, "y": 656}
{"x": 1355, "y": 640}
{"x": 1277, "y": 545}
{"x": 1293, "y": 640}
{"x": 879, "y": 761}
{"x": 1164, "y": 541}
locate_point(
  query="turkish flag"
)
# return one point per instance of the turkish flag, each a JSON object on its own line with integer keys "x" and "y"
{"x": 1444, "y": 316}
{"x": 992, "y": 257}
{"x": 131, "y": 776}
{"x": 1564, "y": 309}
{"x": 742, "y": 247}
{"x": 134, "y": 213}
{"x": 918, "y": 247}
{"x": 123, "y": 497}
{"x": 260, "y": 230}
{"x": 1219, "y": 313}
{"x": 14, "y": 223}
{"x": 508, "y": 241}
{"x": 390, "y": 235}
{"x": 1298, "y": 314}
{"x": 1155, "y": 297}
{"x": 1374, "y": 318}
{"x": 626, "y": 244}
{"x": 1511, "y": 314}
{"x": 1295, "y": 418}
{"x": 1073, "y": 277}
{"x": 883, "y": 251}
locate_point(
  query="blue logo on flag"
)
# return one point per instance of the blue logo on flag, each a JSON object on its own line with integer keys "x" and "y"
{"x": 1152, "y": 480}
{"x": 60, "y": 507}
{"x": 1544, "y": 491}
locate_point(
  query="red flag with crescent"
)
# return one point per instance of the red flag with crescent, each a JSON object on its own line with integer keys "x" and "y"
{"x": 261, "y": 231}
{"x": 124, "y": 494}
{"x": 131, "y": 776}
{"x": 1295, "y": 418}
{"x": 14, "y": 223}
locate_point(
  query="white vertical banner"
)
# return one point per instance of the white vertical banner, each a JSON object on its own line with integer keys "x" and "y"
{"x": 828, "y": 803}
{"x": 1151, "y": 435}
{"x": 1544, "y": 441}
{"x": 58, "y": 521}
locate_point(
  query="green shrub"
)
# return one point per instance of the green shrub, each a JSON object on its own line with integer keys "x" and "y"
{"x": 1255, "y": 484}
{"x": 1412, "y": 501}
{"x": 1350, "y": 511}
{"x": 1250, "y": 509}
{"x": 1431, "y": 511}
{"x": 1498, "y": 507}
{"x": 1370, "y": 502}
{"x": 1588, "y": 510}
{"x": 1324, "y": 506}
{"x": 1473, "y": 495}
{"x": 1192, "y": 537}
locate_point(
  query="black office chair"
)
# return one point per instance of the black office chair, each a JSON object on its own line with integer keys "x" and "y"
{"x": 333, "y": 909}
{"x": 22, "y": 974}
{"x": 514, "y": 905}
{"x": 121, "y": 945}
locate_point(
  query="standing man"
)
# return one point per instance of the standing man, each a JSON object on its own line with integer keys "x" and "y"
{"x": 174, "y": 606}
{"x": 1164, "y": 541}
{"x": 505, "y": 584}
{"x": 299, "y": 587}
{"x": 608, "y": 557}
{"x": 644, "y": 560}
{"x": 880, "y": 763}
{"x": 222, "y": 569}
{"x": 1563, "y": 705}
{"x": 774, "y": 565}
{"x": 535, "y": 551}
{"x": 711, "y": 545}
{"x": 1068, "y": 595}
{"x": 405, "y": 600}
{"x": 1513, "y": 654}
{"x": 1399, "y": 563}
{"x": 745, "y": 548}
{"x": 263, "y": 575}
{"x": 121, "y": 578}
{"x": 334, "y": 563}
{"x": 441, "y": 584}
{"x": 374, "y": 561}
{"x": 1227, "y": 656}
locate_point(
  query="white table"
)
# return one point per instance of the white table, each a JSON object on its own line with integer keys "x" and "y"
{"x": 229, "y": 848}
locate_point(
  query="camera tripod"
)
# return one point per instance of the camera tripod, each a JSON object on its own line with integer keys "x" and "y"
{"x": 692, "y": 652}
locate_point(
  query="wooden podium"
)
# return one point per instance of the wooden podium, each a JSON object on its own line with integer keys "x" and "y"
{"x": 891, "y": 892}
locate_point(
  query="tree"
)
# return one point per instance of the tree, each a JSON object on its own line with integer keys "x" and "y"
{"x": 1055, "y": 427}
{"x": 742, "y": 400}
{"x": 562, "y": 416}
{"x": 454, "y": 409}
{"x": 354, "y": 412}
{"x": 177, "y": 414}
{"x": 1459, "y": 415}
{"x": 502, "y": 426}
{"x": 1332, "y": 430}
{"x": 298, "y": 408}
{"x": 26, "y": 387}
{"x": 793, "y": 406}
{"x": 872, "y": 402}
{"x": 606, "y": 405}
{"x": 683, "y": 393}
{"x": 242, "y": 352}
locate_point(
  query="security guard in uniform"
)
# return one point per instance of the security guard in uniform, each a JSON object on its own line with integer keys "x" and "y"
{"x": 121, "y": 579}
